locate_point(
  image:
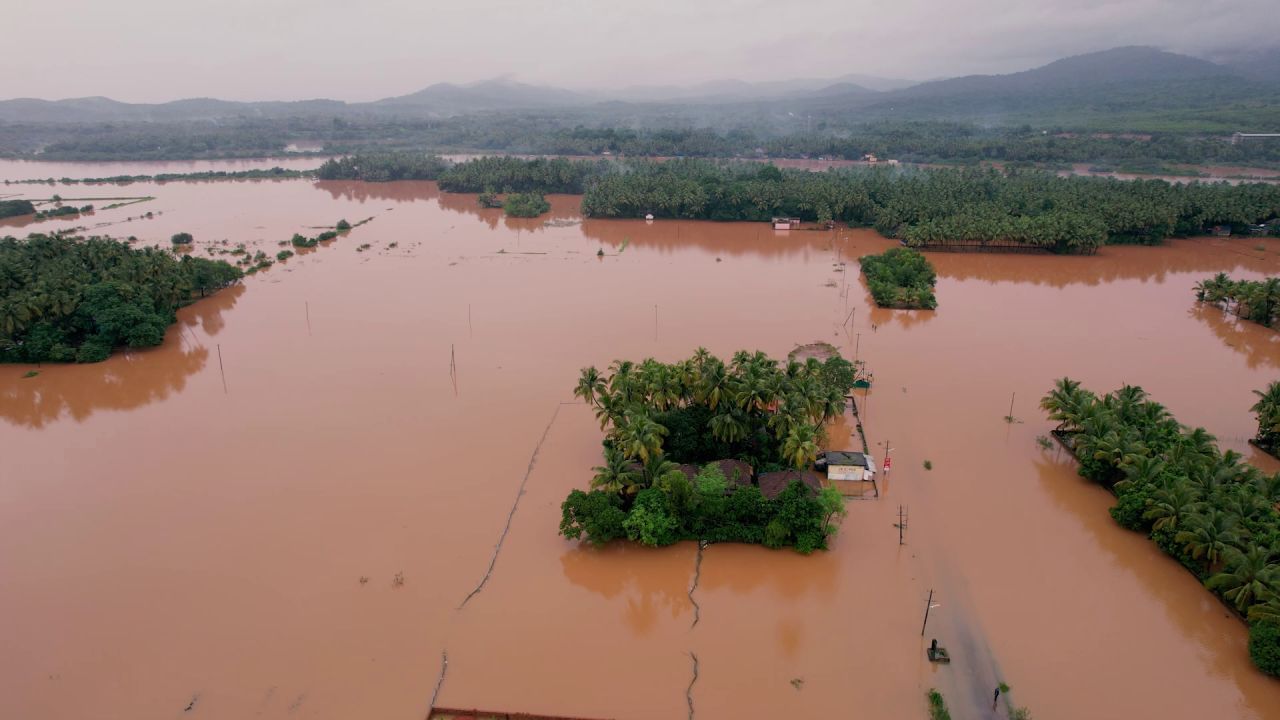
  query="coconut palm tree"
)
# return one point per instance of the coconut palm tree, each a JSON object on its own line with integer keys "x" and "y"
{"x": 729, "y": 426}
{"x": 1065, "y": 402}
{"x": 800, "y": 448}
{"x": 1209, "y": 536}
{"x": 656, "y": 467}
{"x": 641, "y": 436}
{"x": 590, "y": 386}
{"x": 617, "y": 475}
{"x": 1169, "y": 506}
{"x": 1249, "y": 576}
{"x": 1267, "y": 410}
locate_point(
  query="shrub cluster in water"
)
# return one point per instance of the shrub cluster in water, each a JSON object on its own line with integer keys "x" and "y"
{"x": 1207, "y": 509}
{"x": 15, "y": 208}
{"x": 71, "y": 299}
{"x": 696, "y": 411}
{"x": 900, "y": 278}
{"x": 525, "y": 205}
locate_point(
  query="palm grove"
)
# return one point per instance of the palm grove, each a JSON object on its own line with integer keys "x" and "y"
{"x": 697, "y": 411}
{"x": 921, "y": 207}
{"x": 1207, "y": 509}
{"x": 68, "y": 299}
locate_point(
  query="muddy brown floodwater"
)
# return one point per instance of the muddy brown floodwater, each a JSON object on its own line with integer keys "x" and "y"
{"x": 167, "y": 545}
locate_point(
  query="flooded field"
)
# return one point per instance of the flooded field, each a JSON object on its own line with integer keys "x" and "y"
{"x": 280, "y": 511}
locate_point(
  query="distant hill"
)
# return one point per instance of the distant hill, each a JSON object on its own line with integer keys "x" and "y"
{"x": 1128, "y": 87}
{"x": 450, "y": 99}
{"x": 1128, "y": 82}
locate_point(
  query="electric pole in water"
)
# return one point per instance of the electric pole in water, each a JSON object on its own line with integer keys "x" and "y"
{"x": 902, "y": 525}
{"x": 927, "y": 606}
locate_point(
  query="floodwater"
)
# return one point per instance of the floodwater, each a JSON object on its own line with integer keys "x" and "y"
{"x": 219, "y": 523}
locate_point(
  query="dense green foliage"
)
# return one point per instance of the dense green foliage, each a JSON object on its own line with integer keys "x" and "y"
{"x": 1267, "y": 410}
{"x": 936, "y": 207}
{"x": 71, "y": 299}
{"x": 515, "y": 175}
{"x": 14, "y": 208}
{"x": 1144, "y": 140}
{"x": 525, "y": 205}
{"x": 383, "y": 167}
{"x": 274, "y": 173}
{"x": 62, "y": 211}
{"x": 1256, "y": 300}
{"x": 1264, "y": 646}
{"x": 675, "y": 507}
{"x": 900, "y": 278}
{"x": 699, "y": 410}
{"x": 1207, "y": 509}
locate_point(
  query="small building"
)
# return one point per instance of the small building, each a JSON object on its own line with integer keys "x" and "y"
{"x": 773, "y": 483}
{"x": 1220, "y": 230}
{"x": 849, "y": 465}
{"x": 736, "y": 472}
{"x": 786, "y": 223}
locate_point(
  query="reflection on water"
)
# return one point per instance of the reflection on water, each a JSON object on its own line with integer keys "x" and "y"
{"x": 1259, "y": 345}
{"x": 627, "y": 571}
{"x": 125, "y": 381}
{"x": 1110, "y": 264}
{"x": 342, "y": 451}
{"x": 1205, "y": 623}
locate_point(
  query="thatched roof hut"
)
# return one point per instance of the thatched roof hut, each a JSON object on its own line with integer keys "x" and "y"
{"x": 773, "y": 483}
{"x": 736, "y": 472}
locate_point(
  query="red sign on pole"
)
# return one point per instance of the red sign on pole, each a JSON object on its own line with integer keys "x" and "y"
{"x": 888, "y": 463}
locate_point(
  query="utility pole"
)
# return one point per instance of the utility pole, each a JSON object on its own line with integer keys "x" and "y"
{"x": 927, "y": 606}
{"x": 902, "y": 525}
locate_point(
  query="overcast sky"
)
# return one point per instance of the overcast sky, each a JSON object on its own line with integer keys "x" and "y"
{"x": 157, "y": 50}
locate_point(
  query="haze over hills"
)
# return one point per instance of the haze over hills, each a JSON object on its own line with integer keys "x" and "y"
{"x": 1128, "y": 79}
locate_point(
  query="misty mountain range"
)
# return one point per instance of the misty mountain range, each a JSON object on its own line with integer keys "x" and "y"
{"x": 1108, "y": 79}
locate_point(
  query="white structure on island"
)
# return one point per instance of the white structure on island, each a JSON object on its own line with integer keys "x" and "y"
{"x": 849, "y": 465}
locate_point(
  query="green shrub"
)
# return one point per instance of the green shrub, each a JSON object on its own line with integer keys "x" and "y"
{"x": 900, "y": 278}
{"x": 525, "y": 205}
{"x": 182, "y": 238}
{"x": 1264, "y": 646}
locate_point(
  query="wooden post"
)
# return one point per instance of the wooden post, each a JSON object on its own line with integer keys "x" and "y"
{"x": 308, "y": 307}
{"x": 1011, "y": 397}
{"x": 927, "y": 605}
{"x": 222, "y": 371}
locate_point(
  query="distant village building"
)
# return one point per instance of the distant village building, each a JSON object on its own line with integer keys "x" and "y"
{"x": 849, "y": 465}
{"x": 773, "y": 483}
{"x": 1238, "y": 138}
{"x": 1220, "y": 230}
{"x": 786, "y": 223}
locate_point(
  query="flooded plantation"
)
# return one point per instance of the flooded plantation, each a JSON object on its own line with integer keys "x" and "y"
{"x": 295, "y": 530}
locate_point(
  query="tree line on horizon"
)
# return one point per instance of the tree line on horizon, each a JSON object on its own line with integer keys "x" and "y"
{"x": 920, "y": 206}
{"x": 926, "y": 141}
